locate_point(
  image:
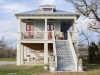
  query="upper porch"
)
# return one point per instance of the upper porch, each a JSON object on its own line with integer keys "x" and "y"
{"x": 40, "y": 30}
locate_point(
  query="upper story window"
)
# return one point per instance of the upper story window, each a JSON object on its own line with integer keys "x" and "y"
{"x": 47, "y": 9}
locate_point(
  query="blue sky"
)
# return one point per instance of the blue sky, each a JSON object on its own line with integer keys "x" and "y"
{"x": 9, "y": 23}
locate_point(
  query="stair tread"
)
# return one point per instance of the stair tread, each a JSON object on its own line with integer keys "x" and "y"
{"x": 65, "y": 59}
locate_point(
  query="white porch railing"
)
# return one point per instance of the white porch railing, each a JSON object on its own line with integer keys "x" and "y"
{"x": 54, "y": 49}
{"x": 35, "y": 35}
{"x": 72, "y": 49}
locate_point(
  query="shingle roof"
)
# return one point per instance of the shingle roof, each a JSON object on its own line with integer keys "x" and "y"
{"x": 55, "y": 12}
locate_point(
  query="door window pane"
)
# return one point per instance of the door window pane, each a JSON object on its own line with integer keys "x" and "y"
{"x": 27, "y": 27}
{"x": 32, "y": 28}
{"x": 52, "y": 27}
{"x": 48, "y": 27}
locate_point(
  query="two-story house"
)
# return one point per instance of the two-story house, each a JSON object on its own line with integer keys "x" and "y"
{"x": 48, "y": 30}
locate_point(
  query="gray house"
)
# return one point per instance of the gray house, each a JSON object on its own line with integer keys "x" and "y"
{"x": 47, "y": 31}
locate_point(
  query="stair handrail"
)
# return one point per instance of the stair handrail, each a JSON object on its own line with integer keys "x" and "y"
{"x": 54, "y": 49}
{"x": 72, "y": 49}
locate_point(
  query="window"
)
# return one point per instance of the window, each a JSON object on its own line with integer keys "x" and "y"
{"x": 47, "y": 9}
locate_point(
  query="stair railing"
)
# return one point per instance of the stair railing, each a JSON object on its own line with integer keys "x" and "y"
{"x": 54, "y": 49}
{"x": 72, "y": 49}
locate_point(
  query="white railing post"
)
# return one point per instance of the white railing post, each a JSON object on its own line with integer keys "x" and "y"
{"x": 54, "y": 48}
{"x": 73, "y": 51}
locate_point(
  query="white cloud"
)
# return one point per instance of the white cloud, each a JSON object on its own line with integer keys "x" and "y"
{"x": 8, "y": 29}
{"x": 15, "y": 7}
{"x": 1, "y": 1}
{"x": 48, "y": 1}
{"x": 57, "y": 2}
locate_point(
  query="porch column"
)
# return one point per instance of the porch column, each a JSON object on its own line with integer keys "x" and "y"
{"x": 22, "y": 53}
{"x": 45, "y": 53}
{"x": 45, "y": 36}
{"x": 18, "y": 53}
{"x": 75, "y": 37}
{"x": 19, "y": 25}
{"x": 74, "y": 26}
{"x": 28, "y": 54}
{"x": 46, "y": 24}
{"x": 25, "y": 52}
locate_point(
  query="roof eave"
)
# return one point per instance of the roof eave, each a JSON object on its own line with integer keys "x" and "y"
{"x": 78, "y": 15}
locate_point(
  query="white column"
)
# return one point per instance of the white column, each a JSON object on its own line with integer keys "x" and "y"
{"x": 22, "y": 54}
{"x": 19, "y": 36}
{"x": 74, "y": 25}
{"x": 45, "y": 52}
{"x": 45, "y": 35}
{"x": 18, "y": 53}
{"x": 28, "y": 50}
{"x": 19, "y": 25}
{"x": 46, "y": 24}
{"x": 25, "y": 52}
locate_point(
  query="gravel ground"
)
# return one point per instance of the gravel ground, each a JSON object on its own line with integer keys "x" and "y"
{"x": 6, "y": 62}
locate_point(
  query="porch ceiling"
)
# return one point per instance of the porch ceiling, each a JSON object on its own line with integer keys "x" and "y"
{"x": 38, "y": 46}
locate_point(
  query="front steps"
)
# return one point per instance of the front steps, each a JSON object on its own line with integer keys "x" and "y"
{"x": 65, "y": 61}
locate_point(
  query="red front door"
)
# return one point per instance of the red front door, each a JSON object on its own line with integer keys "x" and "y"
{"x": 50, "y": 27}
{"x": 30, "y": 28}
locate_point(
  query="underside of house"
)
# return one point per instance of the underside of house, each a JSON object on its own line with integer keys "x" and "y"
{"x": 45, "y": 32}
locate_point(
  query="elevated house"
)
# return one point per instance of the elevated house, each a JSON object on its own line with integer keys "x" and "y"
{"x": 46, "y": 31}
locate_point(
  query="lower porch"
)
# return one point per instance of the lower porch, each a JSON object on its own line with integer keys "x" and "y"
{"x": 34, "y": 53}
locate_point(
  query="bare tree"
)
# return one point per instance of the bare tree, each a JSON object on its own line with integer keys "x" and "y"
{"x": 85, "y": 36}
{"x": 6, "y": 50}
{"x": 90, "y": 9}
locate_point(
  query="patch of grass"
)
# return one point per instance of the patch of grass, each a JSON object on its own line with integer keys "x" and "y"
{"x": 7, "y": 59}
{"x": 93, "y": 69}
{"x": 20, "y": 70}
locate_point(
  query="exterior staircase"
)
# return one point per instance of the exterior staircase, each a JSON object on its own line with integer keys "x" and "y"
{"x": 65, "y": 61}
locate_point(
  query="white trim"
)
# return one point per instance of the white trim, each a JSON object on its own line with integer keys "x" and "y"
{"x": 48, "y": 17}
{"x": 35, "y": 41}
